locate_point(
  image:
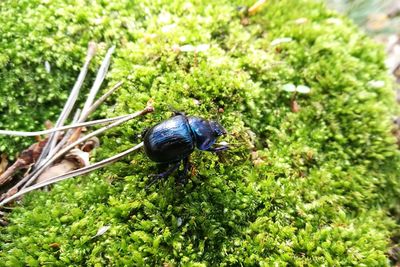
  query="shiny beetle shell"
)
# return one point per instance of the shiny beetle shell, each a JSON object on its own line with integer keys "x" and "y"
{"x": 175, "y": 139}
{"x": 169, "y": 141}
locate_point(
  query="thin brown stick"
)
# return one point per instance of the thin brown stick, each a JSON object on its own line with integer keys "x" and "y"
{"x": 62, "y": 128}
{"x": 71, "y": 174}
{"x": 90, "y": 109}
{"x": 70, "y": 102}
{"x": 26, "y": 181}
{"x": 72, "y": 145}
{"x": 101, "y": 74}
{"x": 104, "y": 97}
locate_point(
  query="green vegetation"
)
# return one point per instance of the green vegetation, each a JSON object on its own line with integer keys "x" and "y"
{"x": 308, "y": 188}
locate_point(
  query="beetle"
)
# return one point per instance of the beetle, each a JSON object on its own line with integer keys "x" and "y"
{"x": 171, "y": 141}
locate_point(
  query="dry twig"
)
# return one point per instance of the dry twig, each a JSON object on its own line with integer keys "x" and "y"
{"x": 48, "y": 158}
{"x": 70, "y": 102}
{"x": 72, "y": 174}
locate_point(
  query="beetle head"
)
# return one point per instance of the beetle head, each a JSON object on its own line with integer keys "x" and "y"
{"x": 217, "y": 128}
{"x": 205, "y": 132}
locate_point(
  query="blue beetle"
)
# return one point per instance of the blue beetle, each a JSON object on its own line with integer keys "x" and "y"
{"x": 173, "y": 140}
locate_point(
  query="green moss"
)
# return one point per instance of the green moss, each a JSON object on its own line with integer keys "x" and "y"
{"x": 307, "y": 188}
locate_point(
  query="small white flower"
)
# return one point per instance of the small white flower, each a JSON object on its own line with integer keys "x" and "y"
{"x": 376, "y": 84}
{"x": 289, "y": 87}
{"x": 303, "y": 89}
{"x": 301, "y": 20}
{"x": 187, "y": 48}
{"x": 202, "y": 47}
{"x": 164, "y": 18}
{"x": 47, "y": 66}
{"x": 196, "y": 102}
{"x": 191, "y": 48}
{"x": 281, "y": 40}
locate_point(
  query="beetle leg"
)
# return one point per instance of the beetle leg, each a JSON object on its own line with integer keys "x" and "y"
{"x": 183, "y": 175}
{"x": 143, "y": 133}
{"x": 163, "y": 174}
{"x": 216, "y": 149}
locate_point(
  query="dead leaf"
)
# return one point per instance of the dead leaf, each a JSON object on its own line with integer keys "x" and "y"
{"x": 79, "y": 156}
{"x": 61, "y": 168}
{"x": 91, "y": 144}
{"x": 3, "y": 163}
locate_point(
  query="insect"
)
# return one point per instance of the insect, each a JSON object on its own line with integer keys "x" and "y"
{"x": 172, "y": 141}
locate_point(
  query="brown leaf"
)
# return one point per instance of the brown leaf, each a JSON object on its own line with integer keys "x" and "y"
{"x": 31, "y": 154}
{"x": 6, "y": 176}
{"x": 61, "y": 168}
{"x": 3, "y": 163}
{"x": 80, "y": 157}
{"x": 91, "y": 144}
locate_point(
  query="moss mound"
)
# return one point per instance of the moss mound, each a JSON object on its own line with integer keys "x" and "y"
{"x": 308, "y": 188}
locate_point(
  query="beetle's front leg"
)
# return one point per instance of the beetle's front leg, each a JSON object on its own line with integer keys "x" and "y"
{"x": 217, "y": 149}
{"x": 143, "y": 133}
{"x": 163, "y": 174}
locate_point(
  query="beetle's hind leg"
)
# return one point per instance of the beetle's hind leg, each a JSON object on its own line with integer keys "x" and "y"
{"x": 163, "y": 175}
{"x": 143, "y": 133}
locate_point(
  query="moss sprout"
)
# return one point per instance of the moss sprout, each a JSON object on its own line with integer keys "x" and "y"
{"x": 313, "y": 187}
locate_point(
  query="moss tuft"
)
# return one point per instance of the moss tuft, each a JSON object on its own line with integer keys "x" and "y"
{"x": 308, "y": 188}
